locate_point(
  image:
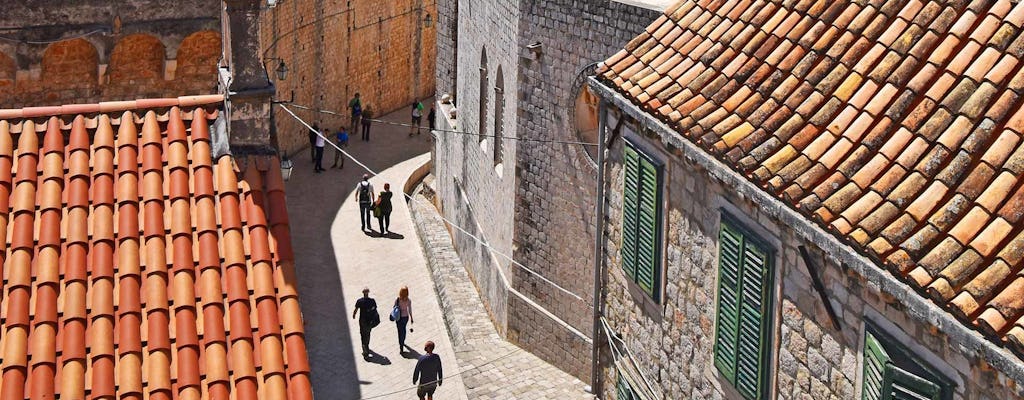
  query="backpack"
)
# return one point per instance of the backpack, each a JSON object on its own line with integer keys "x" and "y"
{"x": 364, "y": 192}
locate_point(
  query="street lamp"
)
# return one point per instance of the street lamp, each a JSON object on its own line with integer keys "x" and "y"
{"x": 281, "y": 70}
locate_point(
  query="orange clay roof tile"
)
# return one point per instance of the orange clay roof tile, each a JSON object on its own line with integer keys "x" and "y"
{"x": 895, "y": 125}
{"x": 116, "y": 284}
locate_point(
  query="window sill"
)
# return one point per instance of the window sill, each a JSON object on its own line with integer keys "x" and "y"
{"x": 650, "y": 308}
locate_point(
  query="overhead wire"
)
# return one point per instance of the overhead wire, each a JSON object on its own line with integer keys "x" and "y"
{"x": 12, "y": 40}
{"x": 450, "y": 222}
{"x": 503, "y": 137}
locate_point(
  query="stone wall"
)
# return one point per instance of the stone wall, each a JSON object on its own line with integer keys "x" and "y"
{"x": 55, "y": 53}
{"x": 810, "y": 359}
{"x": 537, "y": 204}
{"x": 447, "y": 47}
{"x": 383, "y": 50}
{"x": 556, "y": 183}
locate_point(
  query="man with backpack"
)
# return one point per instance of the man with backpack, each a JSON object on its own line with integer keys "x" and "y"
{"x": 369, "y": 318}
{"x": 364, "y": 193}
{"x": 356, "y": 107}
{"x": 417, "y": 114}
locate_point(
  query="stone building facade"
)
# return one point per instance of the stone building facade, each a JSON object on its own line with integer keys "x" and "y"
{"x": 844, "y": 296}
{"x": 54, "y": 53}
{"x": 527, "y": 201}
{"x": 384, "y": 50}
{"x": 673, "y": 342}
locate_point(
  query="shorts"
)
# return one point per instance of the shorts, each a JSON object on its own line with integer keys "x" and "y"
{"x": 416, "y": 120}
{"x": 428, "y": 389}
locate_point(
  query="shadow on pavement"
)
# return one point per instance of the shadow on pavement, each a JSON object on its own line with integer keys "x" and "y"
{"x": 313, "y": 203}
{"x": 411, "y": 354}
{"x": 376, "y": 358}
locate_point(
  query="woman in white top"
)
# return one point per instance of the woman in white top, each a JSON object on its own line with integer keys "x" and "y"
{"x": 404, "y": 305}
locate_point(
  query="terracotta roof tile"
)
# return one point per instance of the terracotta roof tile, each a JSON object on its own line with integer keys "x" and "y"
{"x": 895, "y": 125}
{"x": 134, "y": 227}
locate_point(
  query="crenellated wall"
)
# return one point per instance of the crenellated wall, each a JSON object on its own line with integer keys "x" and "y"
{"x": 54, "y": 53}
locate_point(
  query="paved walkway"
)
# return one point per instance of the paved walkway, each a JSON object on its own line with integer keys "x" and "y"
{"x": 334, "y": 260}
{"x": 494, "y": 368}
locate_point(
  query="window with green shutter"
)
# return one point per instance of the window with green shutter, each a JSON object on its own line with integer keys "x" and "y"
{"x": 623, "y": 391}
{"x": 742, "y": 339}
{"x": 641, "y": 219}
{"x": 890, "y": 373}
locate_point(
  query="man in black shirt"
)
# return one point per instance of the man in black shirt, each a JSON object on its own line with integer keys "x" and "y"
{"x": 368, "y": 318}
{"x": 427, "y": 373}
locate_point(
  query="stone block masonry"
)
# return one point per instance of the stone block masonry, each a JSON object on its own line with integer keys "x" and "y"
{"x": 537, "y": 204}
{"x": 491, "y": 368}
{"x": 384, "y": 50}
{"x": 810, "y": 359}
{"x": 89, "y": 51}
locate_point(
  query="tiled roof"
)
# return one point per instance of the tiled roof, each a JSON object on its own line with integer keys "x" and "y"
{"x": 894, "y": 124}
{"x": 138, "y": 266}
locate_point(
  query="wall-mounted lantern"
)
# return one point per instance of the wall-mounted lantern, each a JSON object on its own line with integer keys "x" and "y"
{"x": 286, "y": 168}
{"x": 282, "y": 71}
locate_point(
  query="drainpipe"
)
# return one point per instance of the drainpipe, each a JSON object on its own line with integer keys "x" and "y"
{"x": 595, "y": 374}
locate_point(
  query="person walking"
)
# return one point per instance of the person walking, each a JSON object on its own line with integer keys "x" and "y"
{"x": 355, "y": 106}
{"x": 428, "y": 374}
{"x": 312, "y": 142}
{"x": 342, "y": 141}
{"x": 431, "y": 116}
{"x": 318, "y": 156}
{"x": 384, "y": 205}
{"x": 364, "y": 193}
{"x": 367, "y": 120}
{"x": 369, "y": 318}
{"x": 417, "y": 114}
{"x": 404, "y": 306}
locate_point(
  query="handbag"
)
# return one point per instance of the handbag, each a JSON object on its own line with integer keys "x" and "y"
{"x": 374, "y": 318}
{"x": 377, "y": 211}
{"x": 396, "y": 312}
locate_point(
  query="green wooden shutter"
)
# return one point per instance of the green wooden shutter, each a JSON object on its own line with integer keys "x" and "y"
{"x": 630, "y": 188}
{"x": 729, "y": 260}
{"x": 751, "y": 351}
{"x": 648, "y": 230}
{"x": 875, "y": 360}
{"x": 899, "y": 384}
{"x": 623, "y": 391}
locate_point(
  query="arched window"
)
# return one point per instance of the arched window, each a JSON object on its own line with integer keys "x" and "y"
{"x": 585, "y": 118}
{"x": 71, "y": 64}
{"x": 137, "y": 58}
{"x": 198, "y": 55}
{"x": 8, "y": 71}
{"x": 499, "y": 113}
{"x": 482, "y": 127}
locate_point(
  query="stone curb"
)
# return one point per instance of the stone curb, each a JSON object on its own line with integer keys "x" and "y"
{"x": 492, "y": 367}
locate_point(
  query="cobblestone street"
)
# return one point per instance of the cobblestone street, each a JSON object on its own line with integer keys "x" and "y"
{"x": 493, "y": 368}
{"x": 335, "y": 260}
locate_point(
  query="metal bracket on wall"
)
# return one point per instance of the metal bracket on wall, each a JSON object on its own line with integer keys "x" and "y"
{"x": 819, "y": 287}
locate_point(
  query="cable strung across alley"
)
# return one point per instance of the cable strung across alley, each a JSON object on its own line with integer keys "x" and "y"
{"x": 450, "y": 222}
{"x": 446, "y": 130}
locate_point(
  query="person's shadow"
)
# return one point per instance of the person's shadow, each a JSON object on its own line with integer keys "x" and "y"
{"x": 376, "y": 358}
{"x": 389, "y": 235}
{"x": 411, "y": 354}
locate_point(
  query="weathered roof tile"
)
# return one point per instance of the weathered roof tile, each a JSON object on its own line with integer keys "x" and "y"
{"x": 149, "y": 269}
{"x": 895, "y": 125}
